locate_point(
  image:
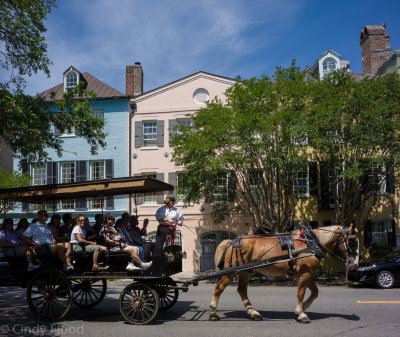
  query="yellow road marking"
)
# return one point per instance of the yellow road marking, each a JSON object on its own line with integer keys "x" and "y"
{"x": 390, "y": 302}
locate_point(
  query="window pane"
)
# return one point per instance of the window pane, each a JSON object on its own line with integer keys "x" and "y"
{"x": 67, "y": 172}
{"x": 39, "y": 174}
{"x": 301, "y": 182}
{"x": 150, "y": 133}
{"x": 97, "y": 170}
{"x": 150, "y": 198}
{"x": 182, "y": 185}
{"x": 71, "y": 80}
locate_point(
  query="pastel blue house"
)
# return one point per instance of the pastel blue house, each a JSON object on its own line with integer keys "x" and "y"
{"x": 77, "y": 163}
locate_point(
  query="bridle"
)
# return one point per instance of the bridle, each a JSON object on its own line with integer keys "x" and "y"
{"x": 343, "y": 238}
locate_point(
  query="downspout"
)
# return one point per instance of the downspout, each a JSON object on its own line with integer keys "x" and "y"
{"x": 132, "y": 105}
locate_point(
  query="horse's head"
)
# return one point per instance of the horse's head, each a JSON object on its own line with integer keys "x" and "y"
{"x": 348, "y": 243}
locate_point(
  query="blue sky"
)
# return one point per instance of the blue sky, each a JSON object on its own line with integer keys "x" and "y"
{"x": 175, "y": 38}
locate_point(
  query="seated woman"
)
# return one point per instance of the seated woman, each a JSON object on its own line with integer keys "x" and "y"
{"x": 12, "y": 244}
{"x": 137, "y": 235}
{"x": 23, "y": 224}
{"x": 121, "y": 227}
{"x": 112, "y": 237}
{"x": 80, "y": 244}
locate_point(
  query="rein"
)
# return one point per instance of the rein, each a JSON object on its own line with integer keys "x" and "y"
{"x": 341, "y": 239}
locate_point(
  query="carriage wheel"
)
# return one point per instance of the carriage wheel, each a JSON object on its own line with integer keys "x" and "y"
{"x": 49, "y": 295}
{"x": 139, "y": 303}
{"x": 88, "y": 293}
{"x": 167, "y": 295}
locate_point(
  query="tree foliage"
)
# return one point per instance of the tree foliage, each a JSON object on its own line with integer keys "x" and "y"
{"x": 268, "y": 131}
{"x": 26, "y": 123}
{"x": 11, "y": 180}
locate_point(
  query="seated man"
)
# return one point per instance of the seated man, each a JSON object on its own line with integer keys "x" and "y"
{"x": 137, "y": 234}
{"x": 12, "y": 244}
{"x": 39, "y": 236}
{"x": 113, "y": 238}
{"x": 80, "y": 244}
{"x": 121, "y": 227}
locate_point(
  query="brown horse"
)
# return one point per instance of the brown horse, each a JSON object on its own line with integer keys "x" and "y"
{"x": 256, "y": 248}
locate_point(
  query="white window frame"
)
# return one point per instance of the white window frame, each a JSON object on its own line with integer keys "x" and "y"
{"x": 64, "y": 172}
{"x": 69, "y": 84}
{"x": 222, "y": 182}
{"x": 378, "y": 175}
{"x": 92, "y": 174}
{"x": 149, "y": 138}
{"x": 180, "y": 197}
{"x": 150, "y": 199}
{"x": 379, "y": 231}
{"x": 302, "y": 190}
{"x": 255, "y": 178}
{"x": 96, "y": 203}
{"x": 67, "y": 205}
{"x": 327, "y": 65}
{"x": 187, "y": 122}
{"x": 39, "y": 174}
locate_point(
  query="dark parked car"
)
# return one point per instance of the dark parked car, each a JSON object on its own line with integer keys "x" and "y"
{"x": 384, "y": 273}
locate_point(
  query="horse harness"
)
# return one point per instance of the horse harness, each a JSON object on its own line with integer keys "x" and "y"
{"x": 286, "y": 242}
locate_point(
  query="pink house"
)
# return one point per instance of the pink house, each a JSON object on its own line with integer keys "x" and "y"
{"x": 154, "y": 115}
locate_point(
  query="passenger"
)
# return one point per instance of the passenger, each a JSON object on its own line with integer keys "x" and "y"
{"x": 137, "y": 235}
{"x": 121, "y": 227}
{"x": 23, "y": 224}
{"x": 66, "y": 229}
{"x": 99, "y": 223}
{"x": 168, "y": 217}
{"x": 113, "y": 238}
{"x": 80, "y": 244}
{"x": 12, "y": 245}
{"x": 40, "y": 237}
{"x": 90, "y": 233}
{"x": 54, "y": 225}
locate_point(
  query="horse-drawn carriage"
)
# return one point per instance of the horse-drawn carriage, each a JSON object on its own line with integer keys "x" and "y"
{"x": 51, "y": 292}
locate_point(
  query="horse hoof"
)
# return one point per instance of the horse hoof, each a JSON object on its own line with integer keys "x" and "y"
{"x": 256, "y": 317}
{"x": 214, "y": 317}
{"x": 303, "y": 319}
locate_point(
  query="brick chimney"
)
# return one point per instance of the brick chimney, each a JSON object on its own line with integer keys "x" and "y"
{"x": 134, "y": 80}
{"x": 375, "y": 48}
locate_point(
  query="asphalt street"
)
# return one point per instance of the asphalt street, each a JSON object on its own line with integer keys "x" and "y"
{"x": 336, "y": 312}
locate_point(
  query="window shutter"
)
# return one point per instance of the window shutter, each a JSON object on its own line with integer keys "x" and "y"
{"x": 314, "y": 224}
{"x": 172, "y": 180}
{"x": 109, "y": 202}
{"x": 392, "y": 234}
{"x": 139, "y": 197}
{"x": 52, "y": 172}
{"x": 109, "y": 168}
{"x": 81, "y": 205}
{"x": 24, "y": 167}
{"x": 313, "y": 178}
{"x": 327, "y": 223}
{"x": 81, "y": 170}
{"x": 139, "y": 134}
{"x": 390, "y": 178}
{"x": 367, "y": 234}
{"x": 171, "y": 126}
{"x": 160, "y": 133}
{"x": 160, "y": 195}
{"x": 324, "y": 185}
{"x": 57, "y": 132}
{"x": 231, "y": 186}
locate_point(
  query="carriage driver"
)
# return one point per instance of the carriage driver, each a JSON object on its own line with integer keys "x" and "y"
{"x": 39, "y": 236}
{"x": 168, "y": 217}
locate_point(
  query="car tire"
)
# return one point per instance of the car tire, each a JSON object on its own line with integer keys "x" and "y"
{"x": 385, "y": 279}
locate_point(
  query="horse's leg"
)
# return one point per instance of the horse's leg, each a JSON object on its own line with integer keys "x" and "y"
{"x": 222, "y": 283}
{"x": 304, "y": 282}
{"x": 314, "y": 294}
{"x": 242, "y": 290}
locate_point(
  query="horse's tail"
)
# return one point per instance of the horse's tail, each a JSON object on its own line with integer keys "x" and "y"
{"x": 219, "y": 256}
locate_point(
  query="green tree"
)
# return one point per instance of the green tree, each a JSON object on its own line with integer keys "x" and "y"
{"x": 251, "y": 143}
{"x": 11, "y": 180}
{"x": 26, "y": 122}
{"x": 353, "y": 130}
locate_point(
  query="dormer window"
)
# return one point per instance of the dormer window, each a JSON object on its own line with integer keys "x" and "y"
{"x": 329, "y": 65}
{"x": 70, "y": 80}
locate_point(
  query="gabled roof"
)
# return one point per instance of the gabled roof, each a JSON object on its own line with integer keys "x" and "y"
{"x": 188, "y": 78}
{"x": 101, "y": 89}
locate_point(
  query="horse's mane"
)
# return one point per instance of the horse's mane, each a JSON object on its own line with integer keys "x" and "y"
{"x": 325, "y": 234}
